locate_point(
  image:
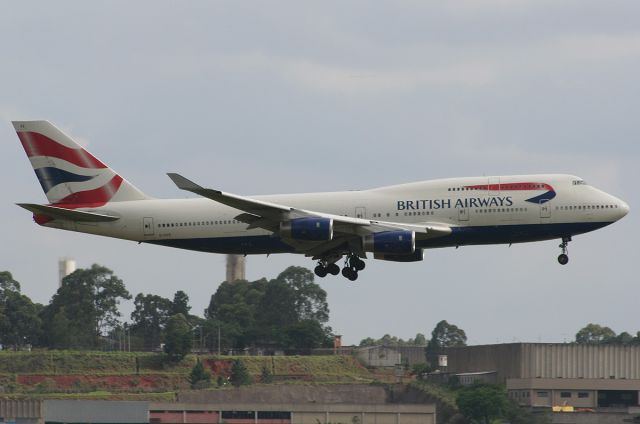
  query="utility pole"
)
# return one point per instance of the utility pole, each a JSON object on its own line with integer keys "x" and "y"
{"x": 218, "y": 340}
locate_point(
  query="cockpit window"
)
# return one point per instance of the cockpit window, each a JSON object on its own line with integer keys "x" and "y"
{"x": 579, "y": 182}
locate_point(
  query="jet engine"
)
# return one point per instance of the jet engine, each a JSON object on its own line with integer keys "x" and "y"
{"x": 308, "y": 228}
{"x": 399, "y": 242}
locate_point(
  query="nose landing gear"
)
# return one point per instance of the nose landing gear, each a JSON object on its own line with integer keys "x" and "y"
{"x": 563, "y": 258}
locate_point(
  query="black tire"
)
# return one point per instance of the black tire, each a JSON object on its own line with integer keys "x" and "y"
{"x": 358, "y": 264}
{"x": 333, "y": 269}
{"x": 563, "y": 259}
{"x": 349, "y": 273}
{"x": 320, "y": 271}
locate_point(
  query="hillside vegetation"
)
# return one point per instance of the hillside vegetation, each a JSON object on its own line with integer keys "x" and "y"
{"x": 103, "y": 374}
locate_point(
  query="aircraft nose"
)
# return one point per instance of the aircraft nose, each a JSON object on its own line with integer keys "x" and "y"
{"x": 624, "y": 208}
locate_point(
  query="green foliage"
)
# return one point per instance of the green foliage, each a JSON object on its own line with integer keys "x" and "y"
{"x": 150, "y": 316}
{"x": 178, "y": 338}
{"x": 239, "y": 374}
{"x": 289, "y": 311}
{"x": 482, "y": 402}
{"x": 265, "y": 375}
{"x": 595, "y": 334}
{"x": 20, "y": 323}
{"x": 420, "y": 369}
{"x": 446, "y": 335}
{"x": 200, "y": 378}
{"x": 180, "y": 304}
{"x": 86, "y": 305}
{"x": 388, "y": 340}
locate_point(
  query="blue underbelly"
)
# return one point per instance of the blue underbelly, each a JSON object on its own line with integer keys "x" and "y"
{"x": 460, "y": 236}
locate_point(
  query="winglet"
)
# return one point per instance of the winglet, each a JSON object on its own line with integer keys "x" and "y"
{"x": 184, "y": 183}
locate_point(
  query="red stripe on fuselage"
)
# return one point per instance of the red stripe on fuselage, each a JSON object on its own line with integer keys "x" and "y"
{"x": 512, "y": 186}
{"x": 36, "y": 144}
{"x": 91, "y": 198}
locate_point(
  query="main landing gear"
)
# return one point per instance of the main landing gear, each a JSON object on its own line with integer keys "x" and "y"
{"x": 352, "y": 265}
{"x": 563, "y": 258}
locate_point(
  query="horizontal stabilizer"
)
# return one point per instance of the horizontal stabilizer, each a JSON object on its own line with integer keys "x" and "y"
{"x": 67, "y": 214}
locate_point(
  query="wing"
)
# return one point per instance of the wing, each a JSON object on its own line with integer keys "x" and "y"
{"x": 348, "y": 232}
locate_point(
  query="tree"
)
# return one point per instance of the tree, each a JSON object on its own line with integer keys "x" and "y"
{"x": 178, "y": 337}
{"x": 199, "y": 377}
{"x": 446, "y": 335}
{"x": 388, "y": 340}
{"x": 482, "y": 403}
{"x": 239, "y": 373}
{"x": 149, "y": 318}
{"x": 309, "y": 298}
{"x": 306, "y": 334}
{"x": 595, "y": 334}
{"x": 89, "y": 299}
{"x": 180, "y": 304}
{"x": 420, "y": 340}
{"x": 270, "y": 313}
{"x": 624, "y": 338}
{"x": 20, "y": 323}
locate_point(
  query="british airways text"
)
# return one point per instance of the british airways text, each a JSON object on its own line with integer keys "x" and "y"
{"x": 469, "y": 202}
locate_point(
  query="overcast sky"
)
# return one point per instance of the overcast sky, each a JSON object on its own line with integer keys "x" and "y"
{"x": 289, "y": 96}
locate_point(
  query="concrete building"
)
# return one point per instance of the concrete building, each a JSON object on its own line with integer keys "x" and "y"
{"x": 21, "y": 411}
{"x": 546, "y": 375}
{"x": 308, "y": 413}
{"x": 300, "y": 404}
{"x": 95, "y": 412}
{"x": 379, "y": 356}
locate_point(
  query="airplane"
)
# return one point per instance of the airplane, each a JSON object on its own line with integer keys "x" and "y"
{"x": 393, "y": 223}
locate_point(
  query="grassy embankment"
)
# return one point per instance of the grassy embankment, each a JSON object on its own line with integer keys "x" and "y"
{"x": 149, "y": 375}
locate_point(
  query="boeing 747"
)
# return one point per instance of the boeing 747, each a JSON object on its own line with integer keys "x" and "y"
{"x": 393, "y": 223}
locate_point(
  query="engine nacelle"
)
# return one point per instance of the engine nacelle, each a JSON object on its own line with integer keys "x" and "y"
{"x": 391, "y": 242}
{"x": 416, "y": 256}
{"x": 309, "y": 229}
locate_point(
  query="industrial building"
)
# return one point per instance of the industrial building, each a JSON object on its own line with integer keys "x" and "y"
{"x": 296, "y": 404}
{"x": 547, "y": 375}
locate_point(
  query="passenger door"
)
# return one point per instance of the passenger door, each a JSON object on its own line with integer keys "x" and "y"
{"x": 147, "y": 226}
{"x": 545, "y": 209}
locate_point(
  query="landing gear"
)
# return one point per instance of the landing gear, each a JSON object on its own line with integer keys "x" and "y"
{"x": 352, "y": 265}
{"x": 333, "y": 269}
{"x": 320, "y": 271}
{"x": 563, "y": 258}
{"x": 323, "y": 269}
{"x": 350, "y": 273}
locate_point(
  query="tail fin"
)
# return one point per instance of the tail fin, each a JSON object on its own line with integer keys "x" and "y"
{"x": 70, "y": 176}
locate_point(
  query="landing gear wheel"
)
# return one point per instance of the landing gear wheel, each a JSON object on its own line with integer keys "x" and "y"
{"x": 563, "y": 259}
{"x": 349, "y": 273}
{"x": 320, "y": 271}
{"x": 333, "y": 269}
{"x": 357, "y": 263}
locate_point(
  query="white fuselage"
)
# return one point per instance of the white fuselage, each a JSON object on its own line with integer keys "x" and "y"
{"x": 480, "y": 210}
